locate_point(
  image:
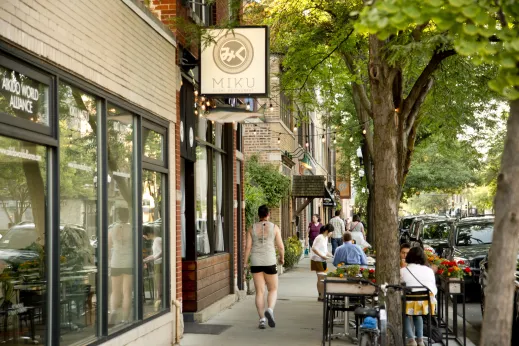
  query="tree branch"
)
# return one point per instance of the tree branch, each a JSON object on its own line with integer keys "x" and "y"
{"x": 362, "y": 94}
{"x": 420, "y": 88}
{"x": 324, "y": 59}
{"x": 418, "y": 30}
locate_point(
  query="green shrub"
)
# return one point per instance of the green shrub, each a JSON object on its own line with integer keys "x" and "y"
{"x": 293, "y": 251}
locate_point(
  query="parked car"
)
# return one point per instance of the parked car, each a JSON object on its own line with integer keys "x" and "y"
{"x": 403, "y": 226}
{"x": 483, "y": 281}
{"x": 405, "y": 234}
{"x": 19, "y": 244}
{"x": 431, "y": 232}
{"x": 469, "y": 240}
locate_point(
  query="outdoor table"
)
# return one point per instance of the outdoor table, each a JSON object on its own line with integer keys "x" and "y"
{"x": 346, "y": 288}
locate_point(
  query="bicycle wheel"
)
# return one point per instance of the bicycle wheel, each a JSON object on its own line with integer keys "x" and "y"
{"x": 393, "y": 337}
{"x": 365, "y": 340}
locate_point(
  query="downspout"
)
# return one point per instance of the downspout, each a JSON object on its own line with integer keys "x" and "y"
{"x": 178, "y": 326}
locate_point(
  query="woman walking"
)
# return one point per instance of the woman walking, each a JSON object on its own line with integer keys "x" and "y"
{"x": 314, "y": 229}
{"x": 418, "y": 274}
{"x": 319, "y": 256}
{"x": 262, "y": 241}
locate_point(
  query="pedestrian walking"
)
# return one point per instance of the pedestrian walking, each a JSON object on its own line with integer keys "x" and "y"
{"x": 319, "y": 256}
{"x": 262, "y": 241}
{"x": 338, "y": 230}
{"x": 314, "y": 229}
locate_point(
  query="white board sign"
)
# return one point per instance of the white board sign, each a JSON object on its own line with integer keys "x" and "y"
{"x": 235, "y": 62}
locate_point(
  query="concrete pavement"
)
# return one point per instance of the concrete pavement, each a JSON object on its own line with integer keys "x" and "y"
{"x": 298, "y": 317}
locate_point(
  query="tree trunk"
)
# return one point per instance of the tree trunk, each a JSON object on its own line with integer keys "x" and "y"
{"x": 368, "y": 171}
{"x": 497, "y": 321}
{"x": 386, "y": 188}
{"x": 37, "y": 191}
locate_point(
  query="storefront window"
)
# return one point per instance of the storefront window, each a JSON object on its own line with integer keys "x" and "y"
{"x": 23, "y": 97}
{"x": 23, "y": 191}
{"x": 202, "y": 184}
{"x": 218, "y": 179}
{"x": 153, "y": 247}
{"x": 210, "y": 187}
{"x": 153, "y": 144}
{"x": 78, "y": 212}
{"x": 121, "y": 230}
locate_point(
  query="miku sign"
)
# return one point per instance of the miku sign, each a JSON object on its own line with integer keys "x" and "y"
{"x": 235, "y": 62}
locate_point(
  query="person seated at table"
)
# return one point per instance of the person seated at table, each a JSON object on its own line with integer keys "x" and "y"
{"x": 418, "y": 274}
{"x": 349, "y": 253}
{"x": 404, "y": 249}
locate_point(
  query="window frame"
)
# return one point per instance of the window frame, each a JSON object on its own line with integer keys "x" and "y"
{"x": 48, "y": 136}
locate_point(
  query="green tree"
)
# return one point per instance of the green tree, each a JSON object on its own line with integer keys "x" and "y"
{"x": 264, "y": 184}
{"x": 431, "y": 203}
{"x": 442, "y": 164}
{"x": 485, "y": 31}
{"x": 384, "y": 83}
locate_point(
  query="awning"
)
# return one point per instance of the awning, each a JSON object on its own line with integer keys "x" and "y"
{"x": 223, "y": 114}
{"x": 328, "y": 200}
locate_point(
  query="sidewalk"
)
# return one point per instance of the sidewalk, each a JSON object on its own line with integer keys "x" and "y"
{"x": 298, "y": 317}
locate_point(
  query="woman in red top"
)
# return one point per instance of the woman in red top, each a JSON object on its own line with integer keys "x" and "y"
{"x": 313, "y": 229}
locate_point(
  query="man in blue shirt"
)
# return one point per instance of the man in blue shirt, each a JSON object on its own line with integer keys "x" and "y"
{"x": 349, "y": 253}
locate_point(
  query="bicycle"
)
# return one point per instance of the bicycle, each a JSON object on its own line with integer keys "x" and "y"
{"x": 384, "y": 331}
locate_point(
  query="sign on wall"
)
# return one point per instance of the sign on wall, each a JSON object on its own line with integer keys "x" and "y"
{"x": 344, "y": 187}
{"x": 235, "y": 62}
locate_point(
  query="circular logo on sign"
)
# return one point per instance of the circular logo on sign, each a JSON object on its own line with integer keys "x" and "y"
{"x": 182, "y": 131}
{"x": 191, "y": 137}
{"x": 233, "y": 53}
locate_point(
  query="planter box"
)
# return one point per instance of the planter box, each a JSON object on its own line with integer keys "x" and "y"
{"x": 346, "y": 286}
{"x": 452, "y": 286}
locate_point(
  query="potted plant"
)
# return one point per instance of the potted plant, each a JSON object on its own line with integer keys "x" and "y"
{"x": 452, "y": 273}
{"x": 353, "y": 276}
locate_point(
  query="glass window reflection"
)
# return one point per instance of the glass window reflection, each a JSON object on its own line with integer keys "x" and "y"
{"x": 23, "y": 192}
{"x": 153, "y": 144}
{"x": 78, "y": 213}
{"x": 121, "y": 239}
{"x": 153, "y": 247}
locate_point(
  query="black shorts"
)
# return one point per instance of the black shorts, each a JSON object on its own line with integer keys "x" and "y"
{"x": 269, "y": 270}
{"x": 121, "y": 271}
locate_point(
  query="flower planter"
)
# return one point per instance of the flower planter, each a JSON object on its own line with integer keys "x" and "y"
{"x": 451, "y": 285}
{"x": 335, "y": 285}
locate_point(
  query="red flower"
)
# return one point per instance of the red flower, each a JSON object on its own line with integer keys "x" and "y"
{"x": 467, "y": 270}
{"x": 451, "y": 269}
{"x": 373, "y": 280}
{"x": 440, "y": 271}
{"x": 371, "y": 271}
{"x": 461, "y": 262}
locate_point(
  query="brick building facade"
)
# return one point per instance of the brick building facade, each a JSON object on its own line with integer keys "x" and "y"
{"x": 292, "y": 141}
{"x": 209, "y": 263}
{"x": 93, "y": 125}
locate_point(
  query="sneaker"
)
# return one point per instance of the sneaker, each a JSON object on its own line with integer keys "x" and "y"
{"x": 420, "y": 342}
{"x": 269, "y": 314}
{"x": 411, "y": 342}
{"x": 263, "y": 323}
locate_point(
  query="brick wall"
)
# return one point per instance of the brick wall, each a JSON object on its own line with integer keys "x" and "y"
{"x": 104, "y": 42}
